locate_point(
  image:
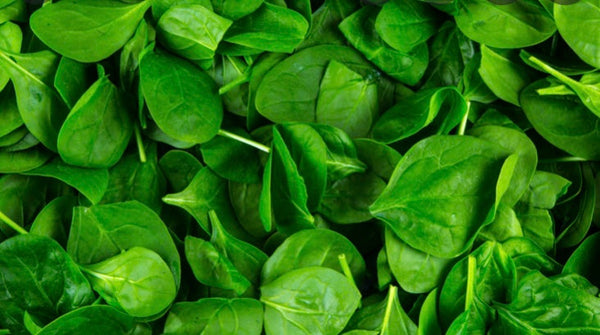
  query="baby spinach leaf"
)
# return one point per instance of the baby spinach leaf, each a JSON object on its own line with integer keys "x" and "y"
{"x": 241, "y": 316}
{"x": 312, "y": 300}
{"x": 82, "y": 33}
{"x": 415, "y": 112}
{"x": 159, "y": 7}
{"x": 39, "y": 105}
{"x": 284, "y": 199}
{"x": 203, "y": 255}
{"x": 205, "y": 192}
{"x": 428, "y": 316}
{"x": 311, "y": 248}
{"x": 72, "y": 79}
{"x": 360, "y": 30}
{"x": 95, "y": 319}
{"x": 244, "y": 256}
{"x": 502, "y": 72}
{"x": 12, "y": 10}
{"x": 22, "y": 161}
{"x": 192, "y": 31}
{"x": 245, "y": 200}
{"x": 103, "y": 231}
{"x": 38, "y": 277}
{"x": 98, "y": 128}
{"x": 235, "y": 9}
{"x": 405, "y": 24}
{"x": 304, "y": 71}
{"x": 468, "y": 167}
{"x": 138, "y": 281}
{"x": 54, "y": 219}
{"x": 346, "y": 100}
{"x": 563, "y": 310}
{"x": 254, "y": 30}
{"x": 562, "y": 120}
{"x": 92, "y": 183}
{"x": 583, "y": 42}
{"x": 182, "y": 99}
{"x": 414, "y": 270}
{"x": 526, "y": 23}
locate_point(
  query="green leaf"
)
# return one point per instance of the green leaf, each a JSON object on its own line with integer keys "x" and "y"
{"x": 360, "y": 30}
{"x": 583, "y": 41}
{"x": 192, "y": 31}
{"x": 312, "y": 300}
{"x": 405, "y": 24}
{"x": 346, "y": 100}
{"x": 104, "y": 231}
{"x": 182, "y": 99}
{"x": 255, "y": 30}
{"x": 39, "y": 105}
{"x": 40, "y": 278}
{"x": 92, "y": 183}
{"x": 138, "y": 281}
{"x": 216, "y": 316}
{"x": 310, "y": 248}
{"x": 524, "y": 23}
{"x": 98, "y": 128}
{"x": 95, "y": 319}
{"x": 87, "y": 30}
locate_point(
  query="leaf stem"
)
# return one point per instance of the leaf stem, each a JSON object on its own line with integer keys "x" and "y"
{"x": 244, "y": 140}
{"x": 471, "y": 268}
{"x": 12, "y": 224}
{"x": 140, "y": 143}
{"x": 568, "y": 159}
{"x": 392, "y": 292}
{"x": 232, "y": 84}
{"x": 463, "y": 122}
{"x": 346, "y": 268}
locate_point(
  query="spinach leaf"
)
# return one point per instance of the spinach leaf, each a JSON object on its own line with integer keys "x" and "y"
{"x": 202, "y": 255}
{"x": 416, "y": 193}
{"x": 360, "y": 30}
{"x": 38, "y": 277}
{"x": 415, "y": 112}
{"x": 548, "y": 114}
{"x": 405, "y": 24}
{"x": 415, "y": 271}
{"x": 72, "y": 79}
{"x": 104, "y": 231}
{"x": 583, "y": 42}
{"x": 98, "y": 128}
{"x": 254, "y": 31}
{"x": 216, "y": 315}
{"x": 310, "y": 248}
{"x": 312, "y": 300}
{"x": 196, "y": 113}
{"x": 54, "y": 219}
{"x": 11, "y": 38}
{"x": 96, "y": 319}
{"x": 192, "y": 31}
{"x": 346, "y": 100}
{"x": 523, "y": 314}
{"x": 78, "y": 28}
{"x": 39, "y": 105}
{"x": 138, "y": 281}
{"x": 92, "y": 183}
{"x": 525, "y": 23}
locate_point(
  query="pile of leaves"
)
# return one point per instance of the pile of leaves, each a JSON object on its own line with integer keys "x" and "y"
{"x": 299, "y": 167}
